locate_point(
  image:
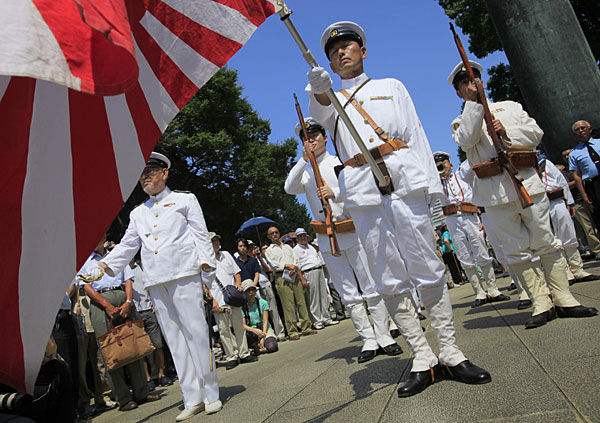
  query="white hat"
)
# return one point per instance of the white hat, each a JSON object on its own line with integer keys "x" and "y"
{"x": 460, "y": 67}
{"x": 212, "y": 235}
{"x": 342, "y": 29}
{"x": 310, "y": 122}
{"x": 441, "y": 155}
{"x": 300, "y": 231}
{"x": 155, "y": 158}
{"x": 247, "y": 284}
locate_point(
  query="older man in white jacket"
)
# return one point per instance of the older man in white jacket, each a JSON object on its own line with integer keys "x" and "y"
{"x": 393, "y": 225}
{"x": 523, "y": 232}
{"x": 178, "y": 258}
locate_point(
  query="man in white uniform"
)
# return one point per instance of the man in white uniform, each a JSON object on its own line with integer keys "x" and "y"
{"x": 524, "y": 233}
{"x": 311, "y": 264}
{"x": 559, "y": 194}
{"x": 178, "y": 258}
{"x": 465, "y": 227}
{"x": 393, "y": 226}
{"x": 349, "y": 272}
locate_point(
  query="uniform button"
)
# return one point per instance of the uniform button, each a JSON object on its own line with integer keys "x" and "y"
{"x": 156, "y": 252}
{"x": 371, "y": 139}
{"x": 156, "y": 215}
{"x": 155, "y": 226}
{"x": 156, "y": 238}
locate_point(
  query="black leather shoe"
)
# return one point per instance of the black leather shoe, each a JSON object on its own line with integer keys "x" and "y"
{"x": 367, "y": 355}
{"x": 587, "y": 278}
{"x": 498, "y": 298}
{"x": 392, "y": 349}
{"x": 249, "y": 359}
{"x": 152, "y": 396}
{"x": 421, "y": 316}
{"x": 418, "y": 381}
{"x": 231, "y": 364}
{"x": 478, "y": 302}
{"x": 395, "y": 333}
{"x": 512, "y": 287}
{"x": 540, "y": 319}
{"x": 467, "y": 372}
{"x": 523, "y": 304}
{"x": 577, "y": 311}
{"x": 128, "y": 406}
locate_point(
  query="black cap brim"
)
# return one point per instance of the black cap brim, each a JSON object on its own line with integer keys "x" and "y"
{"x": 342, "y": 35}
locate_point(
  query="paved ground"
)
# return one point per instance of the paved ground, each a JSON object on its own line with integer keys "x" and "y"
{"x": 550, "y": 374}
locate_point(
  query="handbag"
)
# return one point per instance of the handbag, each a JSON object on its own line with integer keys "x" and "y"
{"x": 124, "y": 344}
{"x": 231, "y": 295}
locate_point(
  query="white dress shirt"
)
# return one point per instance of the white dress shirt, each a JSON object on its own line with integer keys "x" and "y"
{"x": 141, "y": 298}
{"x": 307, "y": 257}
{"x": 470, "y": 133}
{"x": 171, "y": 231}
{"x": 387, "y": 101}
{"x": 280, "y": 255}
{"x": 226, "y": 270}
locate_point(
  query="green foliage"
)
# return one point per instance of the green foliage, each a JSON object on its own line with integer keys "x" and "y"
{"x": 502, "y": 85}
{"x": 219, "y": 149}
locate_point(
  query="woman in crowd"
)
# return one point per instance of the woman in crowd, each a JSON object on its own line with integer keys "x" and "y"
{"x": 255, "y": 321}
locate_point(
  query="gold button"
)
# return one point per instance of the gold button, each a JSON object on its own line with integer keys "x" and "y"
{"x": 156, "y": 238}
{"x": 361, "y": 102}
{"x": 371, "y": 139}
{"x": 155, "y": 226}
{"x": 366, "y": 121}
{"x": 156, "y": 215}
{"x": 156, "y": 252}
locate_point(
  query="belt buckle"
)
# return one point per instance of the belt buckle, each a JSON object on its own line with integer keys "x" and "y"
{"x": 360, "y": 160}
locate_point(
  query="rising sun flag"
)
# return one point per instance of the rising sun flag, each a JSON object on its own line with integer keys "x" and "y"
{"x": 86, "y": 89}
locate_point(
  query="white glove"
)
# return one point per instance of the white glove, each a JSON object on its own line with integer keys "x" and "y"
{"x": 319, "y": 80}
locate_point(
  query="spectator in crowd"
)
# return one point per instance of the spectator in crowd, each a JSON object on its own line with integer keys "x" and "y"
{"x": 249, "y": 266}
{"x": 267, "y": 292}
{"x": 112, "y": 301}
{"x": 311, "y": 264}
{"x": 235, "y": 345}
{"x": 261, "y": 337}
{"x": 289, "y": 283}
{"x": 584, "y": 160}
{"x": 582, "y": 213}
{"x": 448, "y": 255}
{"x": 145, "y": 308}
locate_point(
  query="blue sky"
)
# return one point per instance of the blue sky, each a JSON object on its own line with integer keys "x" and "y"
{"x": 407, "y": 40}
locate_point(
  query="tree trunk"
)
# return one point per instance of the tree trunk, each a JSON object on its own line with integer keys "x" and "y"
{"x": 553, "y": 64}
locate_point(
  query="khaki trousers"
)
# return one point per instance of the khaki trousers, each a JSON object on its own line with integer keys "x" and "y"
{"x": 584, "y": 218}
{"x": 135, "y": 370}
{"x": 292, "y": 300}
{"x": 234, "y": 343}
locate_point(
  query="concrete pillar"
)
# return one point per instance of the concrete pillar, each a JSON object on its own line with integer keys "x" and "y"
{"x": 553, "y": 64}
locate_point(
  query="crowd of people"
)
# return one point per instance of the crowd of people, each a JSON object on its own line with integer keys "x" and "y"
{"x": 375, "y": 261}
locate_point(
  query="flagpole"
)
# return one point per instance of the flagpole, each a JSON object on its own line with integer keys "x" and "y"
{"x": 285, "y": 13}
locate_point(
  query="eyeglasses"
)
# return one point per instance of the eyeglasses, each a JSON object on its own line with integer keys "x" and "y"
{"x": 581, "y": 128}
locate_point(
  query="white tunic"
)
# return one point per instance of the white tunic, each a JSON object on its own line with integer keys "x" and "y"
{"x": 470, "y": 133}
{"x": 387, "y": 101}
{"x": 171, "y": 231}
{"x": 553, "y": 180}
{"x": 457, "y": 191}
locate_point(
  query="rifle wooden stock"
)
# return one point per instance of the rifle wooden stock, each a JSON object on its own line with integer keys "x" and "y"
{"x": 330, "y": 230}
{"x": 503, "y": 159}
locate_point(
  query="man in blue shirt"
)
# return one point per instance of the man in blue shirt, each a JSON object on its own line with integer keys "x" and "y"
{"x": 584, "y": 160}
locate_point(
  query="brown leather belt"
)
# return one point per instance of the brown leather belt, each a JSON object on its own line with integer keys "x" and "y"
{"x": 340, "y": 226}
{"x": 555, "y": 195}
{"x": 388, "y": 147}
{"x": 467, "y": 208}
{"x": 519, "y": 159}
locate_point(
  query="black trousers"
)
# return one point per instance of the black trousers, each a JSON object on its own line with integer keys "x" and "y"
{"x": 592, "y": 189}
{"x": 65, "y": 337}
{"x": 452, "y": 262}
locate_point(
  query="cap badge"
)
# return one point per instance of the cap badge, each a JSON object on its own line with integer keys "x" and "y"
{"x": 333, "y": 33}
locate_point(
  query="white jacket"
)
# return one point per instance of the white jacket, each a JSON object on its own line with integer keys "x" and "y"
{"x": 171, "y": 231}
{"x": 553, "y": 180}
{"x": 387, "y": 101}
{"x": 470, "y": 133}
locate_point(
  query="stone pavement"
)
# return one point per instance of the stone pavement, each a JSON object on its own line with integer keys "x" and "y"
{"x": 549, "y": 374}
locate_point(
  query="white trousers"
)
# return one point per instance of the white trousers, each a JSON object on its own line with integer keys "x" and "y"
{"x": 234, "y": 343}
{"x": 471, "y": 251}
{"x": 400, "y": 244}
{"x": 319, "y": 296}
{"x": 351, "y": 278}
{"x": 179, "y": 307}
{"x": 564, "y": 229}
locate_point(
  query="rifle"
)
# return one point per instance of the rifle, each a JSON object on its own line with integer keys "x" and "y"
{"x": 333, "y": 244}
{"x": 285, "y": 13}
{"x": 502, "y": 155}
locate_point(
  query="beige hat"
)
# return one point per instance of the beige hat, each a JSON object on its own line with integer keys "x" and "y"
{"x": 247, "y": 284}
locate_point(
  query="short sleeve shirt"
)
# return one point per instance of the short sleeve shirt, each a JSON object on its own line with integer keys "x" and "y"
{"x": 444, "y": 248}
{"x": 248, "y": 268}
{"x": 106, "y": 281}
{"x": 580, "y": 160}
{"x": 255, "y": 315}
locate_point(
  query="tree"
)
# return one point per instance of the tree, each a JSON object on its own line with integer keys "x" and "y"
{"x": 219, "y": 150}
{"x": 474, "y": 20}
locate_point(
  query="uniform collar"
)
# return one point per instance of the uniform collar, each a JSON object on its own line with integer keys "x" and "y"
{"x": 354, "y": 82}
{"x": 161, "y": 195}
{"x": 323, "y": 157}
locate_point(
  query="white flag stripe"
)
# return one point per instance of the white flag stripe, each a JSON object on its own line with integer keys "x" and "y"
{"x": 215, "y": 16}
{"x": 35, "y": 52}
{"x": 161, "y": 104}
{"x": 4, "y": 81}
{"x": 128, "y": 154}
{"x": 48, "y": 229}
{"x": 193, "y": 65}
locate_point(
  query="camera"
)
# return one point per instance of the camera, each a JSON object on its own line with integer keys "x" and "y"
{"x": 440, "y": 166}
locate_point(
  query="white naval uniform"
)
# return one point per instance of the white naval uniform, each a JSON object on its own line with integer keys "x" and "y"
{"x": 349, "y": 272}
{"x": 395, "y": 230}
{"x": 561, "y": 220}
{"x": 467, "y": 236}
{"x": 172, "y": 234}
{"x": 523, "y": 233}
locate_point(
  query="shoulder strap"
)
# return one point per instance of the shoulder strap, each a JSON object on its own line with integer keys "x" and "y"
{"x": 337, "y": 119}
{"x": 383, "y": 136}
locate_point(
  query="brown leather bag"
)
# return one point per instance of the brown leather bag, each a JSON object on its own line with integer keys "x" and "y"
{"x": 519, "y": 159}
{"x": 556, "y": 194}
{"x": 125, "y": 344}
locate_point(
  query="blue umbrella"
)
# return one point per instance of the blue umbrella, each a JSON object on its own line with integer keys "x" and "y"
{"x": 258, "y": 224}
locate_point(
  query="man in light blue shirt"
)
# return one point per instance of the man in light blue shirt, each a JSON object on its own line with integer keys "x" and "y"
{"x": 111, "y": 300}
{"x": 584, "y": 160}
